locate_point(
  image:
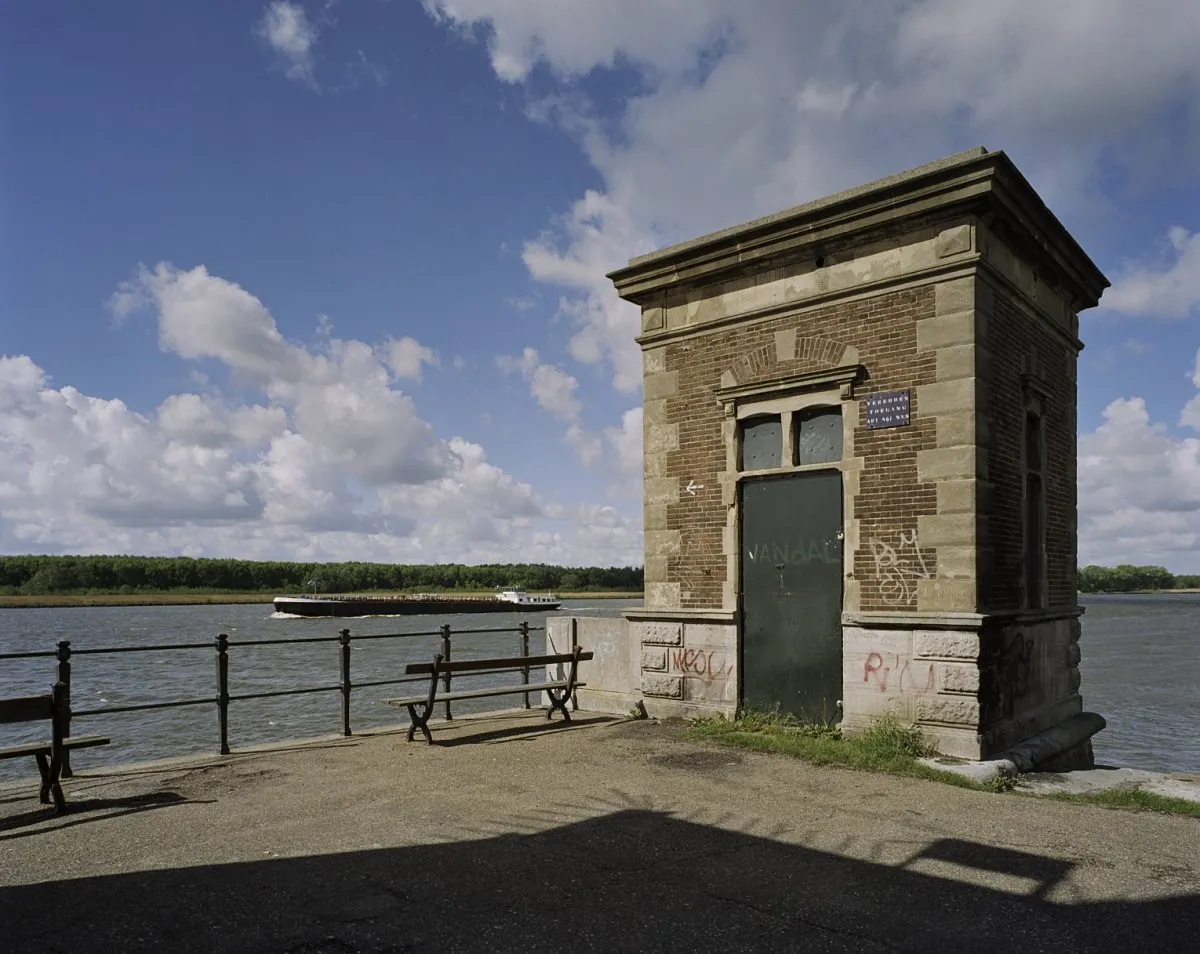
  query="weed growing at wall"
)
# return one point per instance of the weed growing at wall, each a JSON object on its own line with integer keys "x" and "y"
{"x": 888, "y": 745}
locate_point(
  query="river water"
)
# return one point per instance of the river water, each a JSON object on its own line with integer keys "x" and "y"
{"x": 1140, "y": 669}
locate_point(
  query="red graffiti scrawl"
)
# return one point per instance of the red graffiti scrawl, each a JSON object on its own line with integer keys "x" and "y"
{"x": 876, "y": 671}
{"x": 698, "y": 662}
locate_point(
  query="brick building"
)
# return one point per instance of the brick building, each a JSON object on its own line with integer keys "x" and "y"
{"x": 860, "y": 457}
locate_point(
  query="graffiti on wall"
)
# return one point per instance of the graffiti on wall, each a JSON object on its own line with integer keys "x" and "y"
{"x": 693, "y": 566}
{"x": 899, "y": 568}
{"x": 708, "y": 664}
{"x": 897, "y": 672}
{"x": 1014, "y": 672}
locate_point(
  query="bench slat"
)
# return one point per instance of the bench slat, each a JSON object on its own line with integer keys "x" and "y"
{"x": 476, "y": 665}
{"x": 481, "y": 693}
{"x": 33, "y": 748}
{"x": 86, "y": 742}
{"x": 26, "y": 709}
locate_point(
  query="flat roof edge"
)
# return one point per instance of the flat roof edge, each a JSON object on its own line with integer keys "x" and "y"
{"x": 916, "y": 191}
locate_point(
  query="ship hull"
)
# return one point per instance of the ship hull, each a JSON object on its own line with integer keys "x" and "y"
{"x": 400, "y": 606}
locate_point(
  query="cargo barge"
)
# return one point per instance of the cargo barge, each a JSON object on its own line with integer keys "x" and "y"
{"x": 508, "y": 601}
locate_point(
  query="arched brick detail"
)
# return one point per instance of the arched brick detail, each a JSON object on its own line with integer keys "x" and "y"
{"x": 819, "y": 352}
{"x": 753, "y": 365}
{"x": 810, "y": 353}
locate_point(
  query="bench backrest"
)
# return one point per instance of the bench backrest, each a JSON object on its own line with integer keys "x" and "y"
{"x": 26, "y": 709}
{"x": 488, "y": 665}
{"x": 53, "y": 707}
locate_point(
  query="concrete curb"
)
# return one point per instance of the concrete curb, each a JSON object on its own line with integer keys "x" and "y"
{"x": 1028, "y": 755}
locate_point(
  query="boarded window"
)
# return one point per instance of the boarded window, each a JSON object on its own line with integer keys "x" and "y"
{"x": 762, "y": 442}
{"x": 818, "y": 436}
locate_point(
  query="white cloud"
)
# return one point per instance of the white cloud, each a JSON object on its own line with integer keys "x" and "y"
{"x": 406, "y": 355}
{"x": 1170, "y": 289}
{"x": 587, "y": 446}
{"x": 363, "y": 67}
{"x": 286, "y": 28}
{"x": 1139, "y": 491}
{"x": 737, "y": 110}
{"x": 618, "y": 450}
{"x": 332, "y": 461}
{"x": 626, "y": 442}
{"x": 550, "y": 386}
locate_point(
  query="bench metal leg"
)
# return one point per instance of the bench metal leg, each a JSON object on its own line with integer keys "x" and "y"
{"x": 44, "y": 770}
{"x": 419, "y": 722}
{"x": 50, "y": 789}
{"x": 558, "y": 700}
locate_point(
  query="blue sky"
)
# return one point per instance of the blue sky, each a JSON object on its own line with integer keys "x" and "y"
{"x": 325, "y": 280}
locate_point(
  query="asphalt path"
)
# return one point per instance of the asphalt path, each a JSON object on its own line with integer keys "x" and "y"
{"x": 510, "y": 834}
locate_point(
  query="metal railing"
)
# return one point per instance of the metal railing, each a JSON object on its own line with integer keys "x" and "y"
{"x": 223, "y": 644}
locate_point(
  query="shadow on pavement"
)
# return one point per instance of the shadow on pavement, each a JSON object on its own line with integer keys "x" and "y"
{"x": 627, "y": 881}
{"x": 80, "y": 811}
{"x": 515, "y": 732}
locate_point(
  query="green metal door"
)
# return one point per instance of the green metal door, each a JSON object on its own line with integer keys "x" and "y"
{"x": 791, "y": 589}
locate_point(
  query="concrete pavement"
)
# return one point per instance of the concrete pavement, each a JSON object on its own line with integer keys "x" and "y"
{"x": 511, "y": 835}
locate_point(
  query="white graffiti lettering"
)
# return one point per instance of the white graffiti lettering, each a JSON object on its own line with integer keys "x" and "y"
{"x": 899, "y": 568}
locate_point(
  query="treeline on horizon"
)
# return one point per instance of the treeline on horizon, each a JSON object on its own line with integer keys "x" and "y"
{"x": 1128, "y": 579}
{"x": 68, "y": 575}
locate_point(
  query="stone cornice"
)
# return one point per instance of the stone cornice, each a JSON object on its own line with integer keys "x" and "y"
{"x": 960, "y": 267}
{"x": 978, "y": 182}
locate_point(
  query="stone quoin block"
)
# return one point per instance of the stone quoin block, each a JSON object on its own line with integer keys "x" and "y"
{"x": 955, "y": 362}
{"x": 948, "y": 463}
{"x": 947, "y": 596}
{"x": 955, "y": 711}
{"x": 662, "y": 634}
{"x": 954, "y": 297}
{"x": 665, "y": 687}
{"x": 654, "y": 659}
{"x": 947, "y": 397}
{"x": 946, "y": 331}
{"x": 662, "y": 596}
{"x": 953, "y": 678}
{"x": 957, "y": 496}
{"x": 936, "y": 644}
{"x": 662, "y": 385}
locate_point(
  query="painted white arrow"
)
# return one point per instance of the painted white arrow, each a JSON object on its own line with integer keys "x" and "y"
{"x": 692, "y": 487}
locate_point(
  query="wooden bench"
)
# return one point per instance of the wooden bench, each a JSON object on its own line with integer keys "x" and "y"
{"x": 49, "y": 755}
{"x": 559, "y": 691}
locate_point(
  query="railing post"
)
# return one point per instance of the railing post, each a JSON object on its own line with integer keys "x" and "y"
{"x": 344, "y": 640}
{"x": 223, "y": 691}
{"x": 446, "y": 657}
{"x": 525, "y": 653}
{"x": 574, "y": 648}
{"x": 64, "y": 676}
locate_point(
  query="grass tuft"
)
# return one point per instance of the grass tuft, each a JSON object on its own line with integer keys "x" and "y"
{"x": 1131, "y": 799}
{"x": 887, "y": 745}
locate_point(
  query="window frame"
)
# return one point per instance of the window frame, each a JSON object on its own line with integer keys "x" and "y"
{"x": 787, "y": 408}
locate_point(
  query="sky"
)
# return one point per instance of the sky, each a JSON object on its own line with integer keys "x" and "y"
{"x": 325, "y": 280}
